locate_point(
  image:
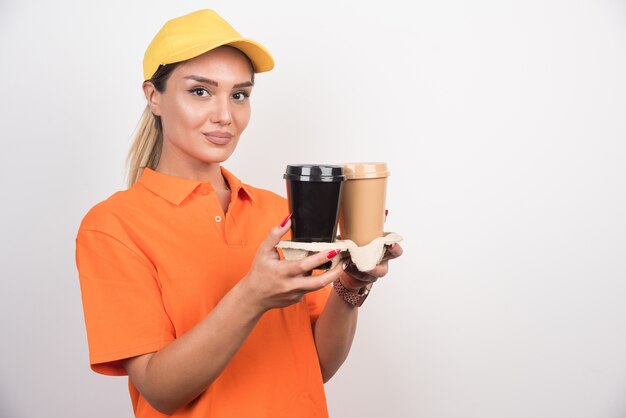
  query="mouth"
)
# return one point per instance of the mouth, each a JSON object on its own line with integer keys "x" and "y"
{"x": 218, "y": 137}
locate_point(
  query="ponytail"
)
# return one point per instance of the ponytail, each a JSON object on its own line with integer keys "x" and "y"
{"x": 146, "y": 148}
{"x": 148, "y": 141}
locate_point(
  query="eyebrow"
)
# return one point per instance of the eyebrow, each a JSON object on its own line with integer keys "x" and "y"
{"x": 214, "y": 83}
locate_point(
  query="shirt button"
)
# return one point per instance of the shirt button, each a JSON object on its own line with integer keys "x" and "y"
{"x": 218, "y": 218}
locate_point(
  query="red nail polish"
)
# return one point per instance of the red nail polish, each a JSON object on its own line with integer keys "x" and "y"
{"x": 284, "y": 222}
{"x": 332, "y": 254}
{"x": 386, "y": 212}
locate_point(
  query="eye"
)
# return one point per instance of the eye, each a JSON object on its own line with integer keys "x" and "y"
{"x": 199, "y": 91}
{"x": 240, "y": 96}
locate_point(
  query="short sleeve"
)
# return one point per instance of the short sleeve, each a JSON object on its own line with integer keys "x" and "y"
{"x": 124, "y": 313}
{"x": 316, "y": 302}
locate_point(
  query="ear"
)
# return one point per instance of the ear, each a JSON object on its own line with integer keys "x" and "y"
{"x": 153, "y": 97}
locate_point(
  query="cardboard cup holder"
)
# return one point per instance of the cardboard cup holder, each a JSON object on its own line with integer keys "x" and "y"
{"x": 365, "y": 257}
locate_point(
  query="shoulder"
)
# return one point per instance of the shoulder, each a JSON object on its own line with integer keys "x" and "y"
{"x": 103, "y": 212}
{"x": 112, "y": 213}
{"x": 121, "y": 219}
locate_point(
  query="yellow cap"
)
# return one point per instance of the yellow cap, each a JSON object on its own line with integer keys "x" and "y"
{"x": 355, "y": 171}
{"x": 188, "y": 36}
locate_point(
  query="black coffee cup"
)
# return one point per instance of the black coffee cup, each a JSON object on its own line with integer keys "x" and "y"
{"x": 314, "y": 193}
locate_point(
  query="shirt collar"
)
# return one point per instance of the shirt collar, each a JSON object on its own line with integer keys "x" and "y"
{"x": 176, "y": 189}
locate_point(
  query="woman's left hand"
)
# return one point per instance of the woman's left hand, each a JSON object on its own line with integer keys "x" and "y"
{"x": 353, "y": 279}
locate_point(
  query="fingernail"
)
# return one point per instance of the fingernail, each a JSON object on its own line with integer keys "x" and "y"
{"x": 332, "y": 254}
{"x": 284, "y": 222}
{"x": 386, "y": 212}
{"x": 392, "y": 246}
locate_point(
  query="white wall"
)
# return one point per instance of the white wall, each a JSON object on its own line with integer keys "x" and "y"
{"x": 503, "y": 123}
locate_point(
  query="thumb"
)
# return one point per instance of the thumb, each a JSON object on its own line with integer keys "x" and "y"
{"x": 275, "y": 234}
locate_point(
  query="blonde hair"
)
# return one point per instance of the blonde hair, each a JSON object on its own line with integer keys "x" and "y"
{"x": 148, "y": 140}
{"x": 146, "y": 148}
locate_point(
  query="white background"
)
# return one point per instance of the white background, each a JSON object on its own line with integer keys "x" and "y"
{"x": 503, "y": 123}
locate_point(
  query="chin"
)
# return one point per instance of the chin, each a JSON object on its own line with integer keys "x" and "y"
{"x": 216, "y": 157}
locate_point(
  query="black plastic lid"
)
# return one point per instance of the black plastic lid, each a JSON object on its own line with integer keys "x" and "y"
{"x": 314, "y": 172}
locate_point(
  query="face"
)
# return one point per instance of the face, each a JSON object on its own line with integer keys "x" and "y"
{"x": 204, "y": 109}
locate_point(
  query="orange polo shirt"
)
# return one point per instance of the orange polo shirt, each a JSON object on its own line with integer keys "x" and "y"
{"x": 155, "y": 259}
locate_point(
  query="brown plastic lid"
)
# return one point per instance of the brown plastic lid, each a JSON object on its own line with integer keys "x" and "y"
{"x": 365, "y": 170}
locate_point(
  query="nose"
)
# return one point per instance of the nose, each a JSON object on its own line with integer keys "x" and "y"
{"x": 220, "y": 111}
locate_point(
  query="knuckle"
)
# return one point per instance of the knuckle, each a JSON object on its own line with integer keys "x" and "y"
{"x": 284, "y": 288}
{"x": 302, "y": 265}
{"x": 381, "y": 270}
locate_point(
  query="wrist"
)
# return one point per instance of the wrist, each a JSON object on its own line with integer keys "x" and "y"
{"x": 244, "y": 295}
{"x": 351, "y": 284}
{"x": 354, "y": 297}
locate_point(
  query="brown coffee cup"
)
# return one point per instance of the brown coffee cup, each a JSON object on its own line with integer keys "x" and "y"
{"x": 362, "y": 209}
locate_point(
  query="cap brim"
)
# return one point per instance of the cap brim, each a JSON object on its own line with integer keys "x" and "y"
{"x": 259, "y": 56}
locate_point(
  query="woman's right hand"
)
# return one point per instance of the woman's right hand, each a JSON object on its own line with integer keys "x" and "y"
{"x": 176, "y": 374}
{"x": 275, "y": 283}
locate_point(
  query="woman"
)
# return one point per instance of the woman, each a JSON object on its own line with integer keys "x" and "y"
{"x": 182, "y": 287}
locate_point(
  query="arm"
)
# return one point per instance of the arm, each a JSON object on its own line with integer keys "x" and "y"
{"x": 334, "y": 332}
{"x": 179, "y": 372}
{"x": 336, "y": 326}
